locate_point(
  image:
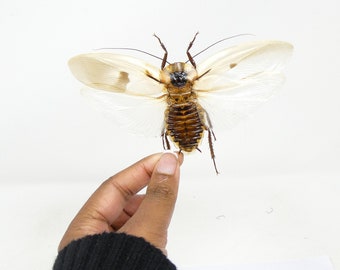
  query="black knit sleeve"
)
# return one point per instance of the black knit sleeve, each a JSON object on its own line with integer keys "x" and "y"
{"x": 111, "y": 251}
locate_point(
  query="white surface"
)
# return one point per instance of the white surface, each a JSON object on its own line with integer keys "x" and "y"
{"x": 277, "y": 198}
{"x": 268, "y": 218}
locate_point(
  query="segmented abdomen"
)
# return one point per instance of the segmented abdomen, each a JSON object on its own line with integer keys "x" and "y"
{"x": 184, "y": 125}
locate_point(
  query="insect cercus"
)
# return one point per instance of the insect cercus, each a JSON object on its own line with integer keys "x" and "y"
{"x": 182, "y": 100}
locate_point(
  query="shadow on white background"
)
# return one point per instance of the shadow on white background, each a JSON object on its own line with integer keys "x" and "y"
{"x": 277, "y": 198}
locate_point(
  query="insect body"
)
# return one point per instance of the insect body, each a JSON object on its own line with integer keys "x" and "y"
{"x": 182, "y": 101}
{"x": 185, "y": 119}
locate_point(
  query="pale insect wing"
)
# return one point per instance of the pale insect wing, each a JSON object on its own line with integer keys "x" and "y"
{"x": 120, "y": 88}
{"x": 242, "y": 61}
{"x": 140, "y": 115}
{"x": 226, "y": 109}
{"x": 116, "y": 73}
{"x": 240, "y": 79}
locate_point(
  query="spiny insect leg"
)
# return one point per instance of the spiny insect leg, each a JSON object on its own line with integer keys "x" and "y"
{"x": 165, "y": 51}
{"x": 191, "y": 59}
{"x": 212, "y": 153}
{"x": 165, "y": 141}
{"x": 208, "y": 127}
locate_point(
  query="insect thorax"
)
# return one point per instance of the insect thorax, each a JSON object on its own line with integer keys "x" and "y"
{"x": 178, "y": 79}
{"x": 184, "y": 117}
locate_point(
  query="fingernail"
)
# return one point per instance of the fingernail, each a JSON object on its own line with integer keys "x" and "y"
{"x": 167, "y": 164}
{"x": 171, "y": 152}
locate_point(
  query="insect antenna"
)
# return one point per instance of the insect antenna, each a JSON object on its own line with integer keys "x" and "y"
{"x": 217, "y": 42}
{"x": 133, "y": 49}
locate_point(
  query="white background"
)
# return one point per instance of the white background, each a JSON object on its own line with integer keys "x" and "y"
{"x": 277, "y": 197}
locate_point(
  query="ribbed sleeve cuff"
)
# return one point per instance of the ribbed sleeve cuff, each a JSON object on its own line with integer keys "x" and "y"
{"x": 111, "y": 251}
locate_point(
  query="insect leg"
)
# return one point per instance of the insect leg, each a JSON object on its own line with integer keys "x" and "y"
{"x": 164, "y": 61}
{"x": 211, "y": 135}
{"x": 165, "y": 141}
{"x": 191, "y": 59}
{"x": 212, "y": 153}
{"x": 209, "y": 124}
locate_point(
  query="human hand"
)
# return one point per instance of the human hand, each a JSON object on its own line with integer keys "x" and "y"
{"x": 116, "y": 207}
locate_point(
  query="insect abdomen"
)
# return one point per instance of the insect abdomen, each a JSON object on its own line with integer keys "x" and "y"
{"x": 184, "y": 125}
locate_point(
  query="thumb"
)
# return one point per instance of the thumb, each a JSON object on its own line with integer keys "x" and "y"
{"x": 152, "y": 219}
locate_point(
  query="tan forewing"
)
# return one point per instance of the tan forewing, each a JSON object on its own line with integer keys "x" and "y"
{"x": 116, "y": 73}
{"x": 119, "y": 86}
